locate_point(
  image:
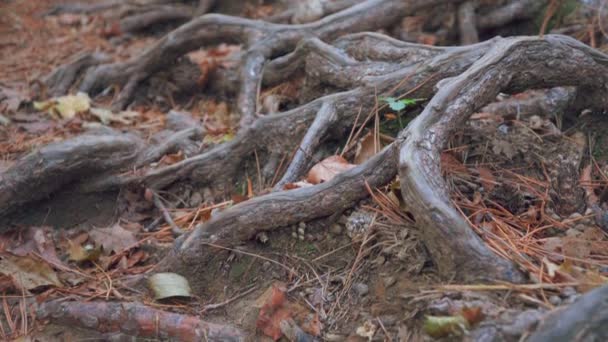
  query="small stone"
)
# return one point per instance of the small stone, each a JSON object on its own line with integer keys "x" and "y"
{"x": 196, "y": 199}
{"x": 262, "y": 237}
{"x": 389, "y": 320}
{"x": 361, "y": 289}
{"x": 335, "y": 229}
{"x": 334, "y": 337}
{"x": 380, "y": 260}
{"x": 207, "y": 193}
{"x": 571, "y": 299}
{"x": 389, "y": 281}
{"x": 573, "y": 232}
{"x": 302, "y": 225}
{"x": 343, "y": 219}
{"x": 301, "y": 237}
{"x": 294, "y": 235}
{"x": 301, "y": 231}
{"x": 568, "y": 291}
{"x": 573, "y": 219}
{"x": 580, "y": 227}
{"x": 555, "y": 300}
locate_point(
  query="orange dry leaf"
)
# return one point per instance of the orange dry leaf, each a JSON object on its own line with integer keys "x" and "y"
{"x": 273, "y": 312}
{"x": 170, "y": 159}
{"x": 327, "y": 169}
{"x": 366, "y": 148}
{"x": 487, "y": 178}
{"x": 449, "y": 163}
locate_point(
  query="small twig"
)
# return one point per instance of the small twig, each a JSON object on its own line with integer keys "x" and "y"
{"x": 166, "y": 215}
{"x": 210, "y": 307}
{"x": 290, "y": 270}
{"x": 388, "y": 336}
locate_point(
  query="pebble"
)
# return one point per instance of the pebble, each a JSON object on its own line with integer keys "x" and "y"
{"x": 343, "y": 219}
{"x": 568, "y": 291}
{"x": 335, "y": 229}
{"x": 555, "y": 300}
{"x": 571, "y": 299}
{"x": 573, "y": 232}
{"x": 361, "y": 289}
{"x": 334, "y": 337}
{"x": 196, "y": 199}
{"x": 262, "y": 237}
{"x": 389, "y": 281}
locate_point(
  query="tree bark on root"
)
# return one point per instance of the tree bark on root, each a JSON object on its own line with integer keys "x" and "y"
{"x": 137, "y": 320}
{"x": 458, "y": 81}
{"x": 584, "y": 320}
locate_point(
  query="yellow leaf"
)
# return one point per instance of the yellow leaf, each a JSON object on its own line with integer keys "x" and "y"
{"x": 65, "y": 107}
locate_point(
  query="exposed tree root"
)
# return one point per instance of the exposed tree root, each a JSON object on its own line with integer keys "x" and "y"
{"x": 261, "y": 41}
{"x": 137, "y": 320}
{"x": 512, "y": 65}
{"x": 354, "y": 69}
{"x": 584, "y": 320}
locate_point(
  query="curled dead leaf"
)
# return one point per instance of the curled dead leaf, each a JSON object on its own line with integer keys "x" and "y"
{"x": 327, "y": 169}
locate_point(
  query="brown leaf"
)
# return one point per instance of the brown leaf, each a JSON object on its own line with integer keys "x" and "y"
{"x": 170, "y": 159}
{"x": 487, "y": 178}
{"x": 114, "y": 239}
{"x": 38, "y": 240}
{"x": 28, "y": 272}
{"x": 327, "y": 169}
{"x": 273, "y": 311}
{"x": 449, "y": 163}
{"x": 472, "y": 315}
{"x": 366, "y": 148}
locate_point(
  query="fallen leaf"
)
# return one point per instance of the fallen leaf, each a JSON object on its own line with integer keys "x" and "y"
{"x": 327, "y": 169}
{"x": 4, "y": 121}
{"x": 450, "y": 163}
{"x": 169, "y": 285}
{"x": 313, "y": 325}
{"x": 11, "y": 99}
{"x": 170, "y": 159}
{"x": 504, "y": 147}
{"x": 65, "y": 107}
{"x": 114, "y": 239}
{"x": 487, "y": 178}
{"x": 27, "y": 272}
{"x": 106, "y": 116}
{"x": 368, "y": 330}
{"x": 441, "y": 326}
{"x": 77, "y": 252}
{"x": 473, "y": 315}
{"x": 273, "y": 311}
{"x": 366, "y": 148}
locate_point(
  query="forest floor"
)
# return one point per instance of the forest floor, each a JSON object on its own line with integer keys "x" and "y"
{"x": 359, "y": 275}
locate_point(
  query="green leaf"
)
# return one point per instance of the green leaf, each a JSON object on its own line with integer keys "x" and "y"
{"x": 441, "y": 326}
{"x": 397, "y": 105}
